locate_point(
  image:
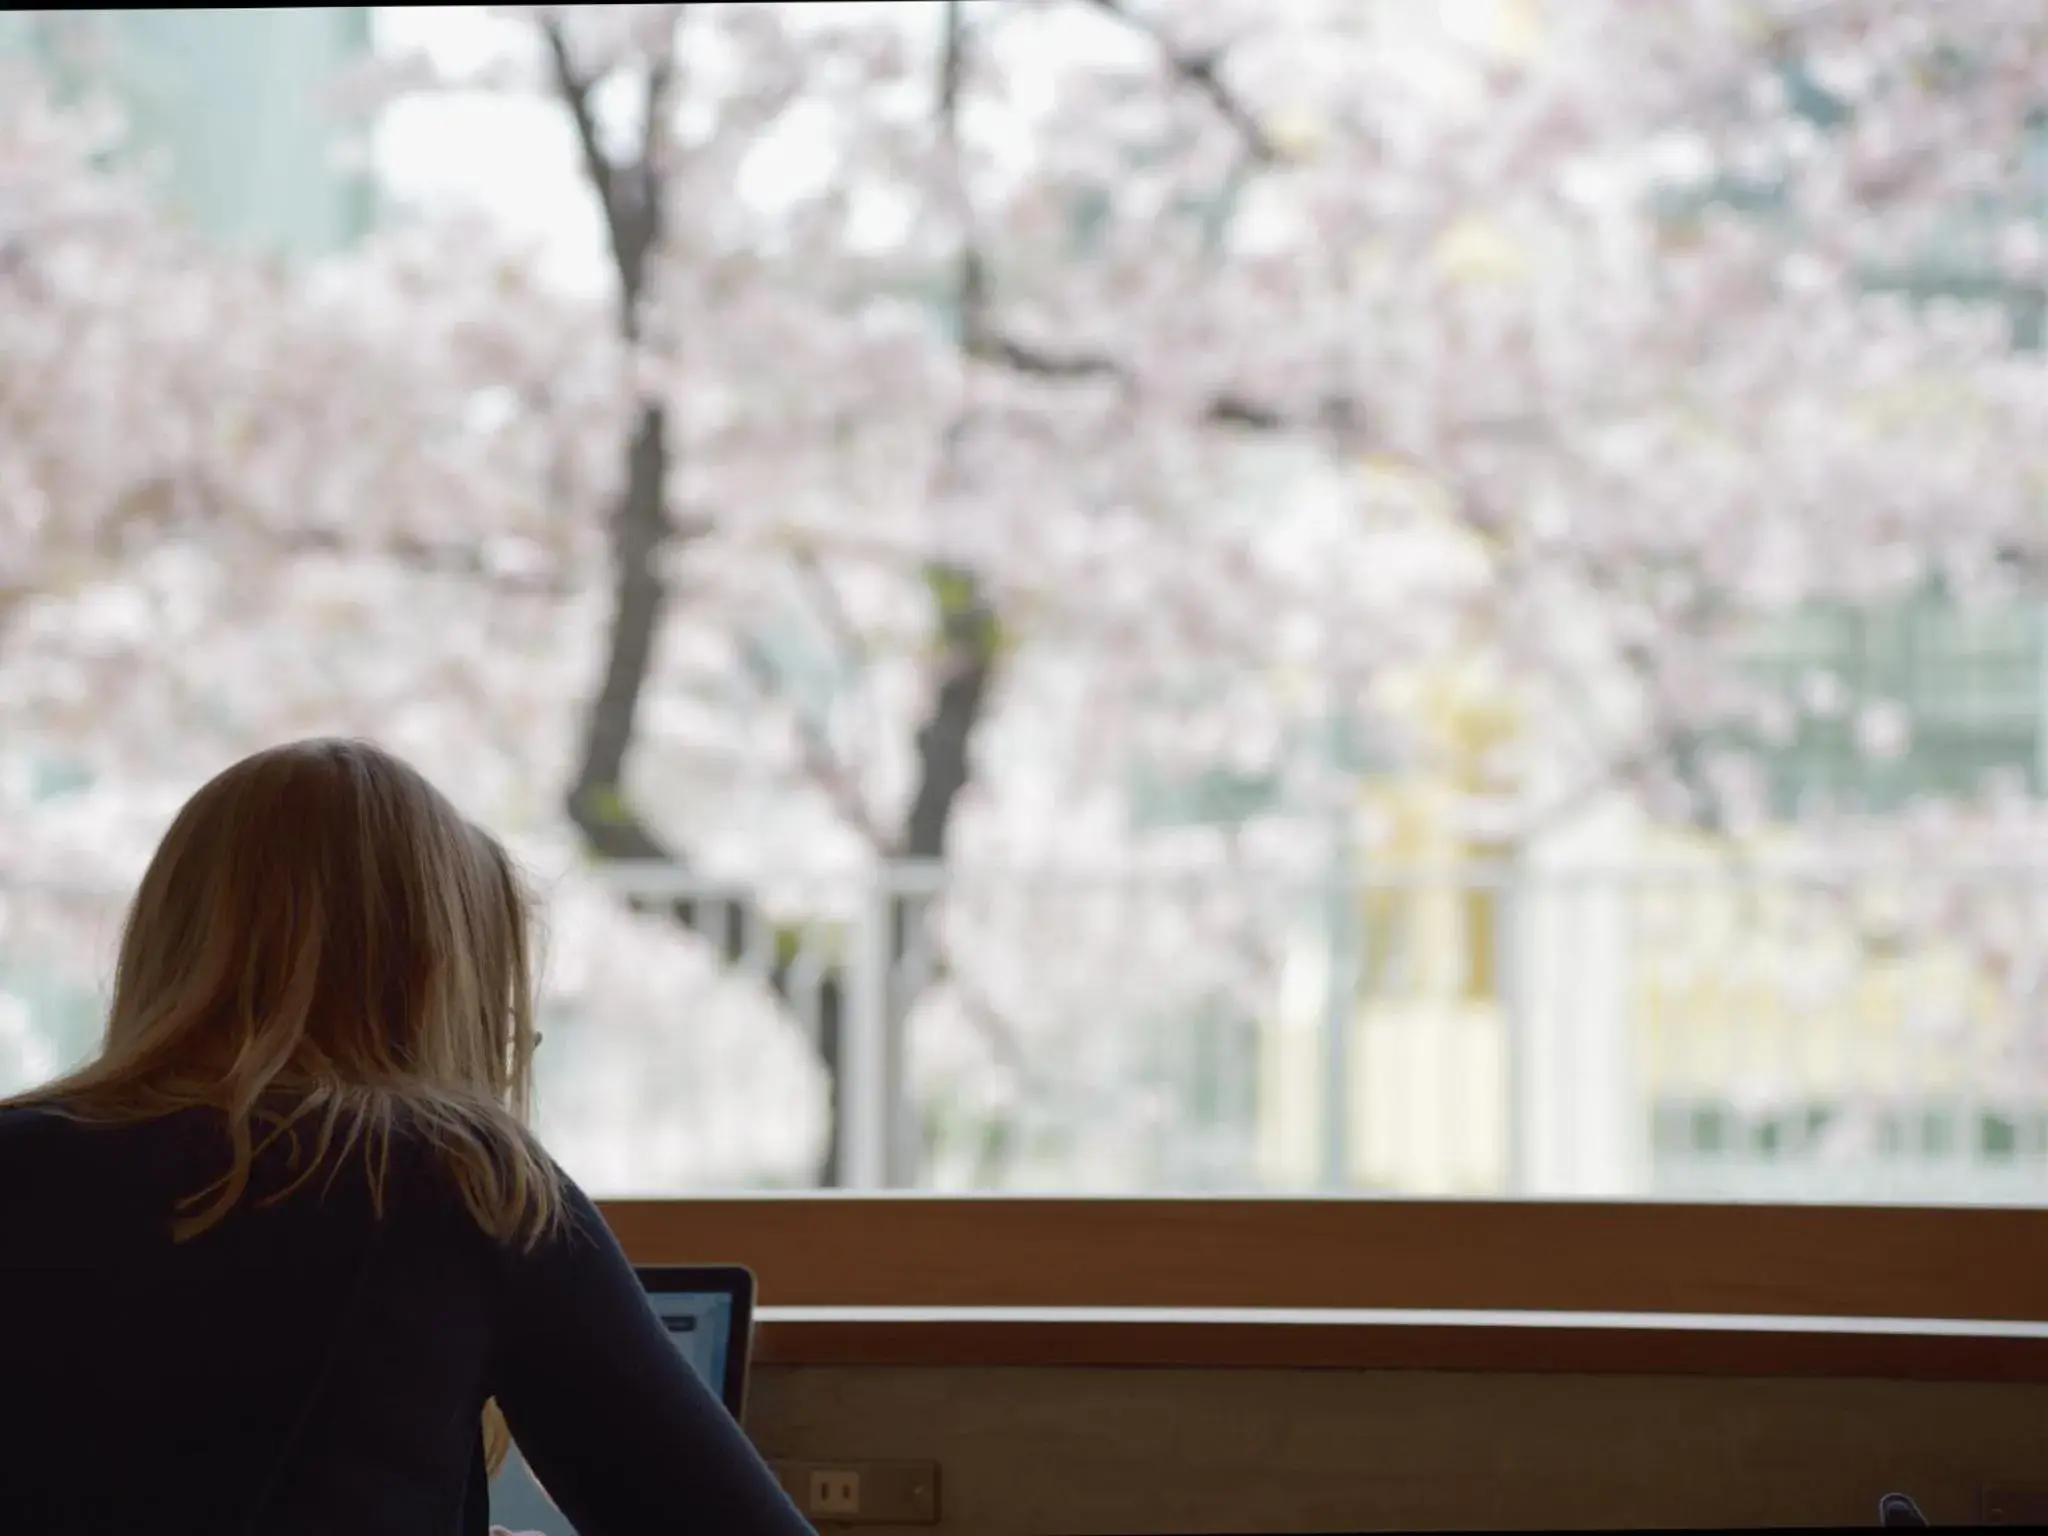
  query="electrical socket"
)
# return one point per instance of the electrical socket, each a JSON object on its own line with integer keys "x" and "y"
{"x": 835, "y": 1494}
{"x": 863, "y": 1492}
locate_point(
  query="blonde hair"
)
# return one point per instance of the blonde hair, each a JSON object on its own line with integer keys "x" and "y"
{"x": 322, "y": 938}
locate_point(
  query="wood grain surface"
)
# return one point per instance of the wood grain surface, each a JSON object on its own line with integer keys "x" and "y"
{"x": 1751, "y": 1260}
{"x": 1490, "y": 1349}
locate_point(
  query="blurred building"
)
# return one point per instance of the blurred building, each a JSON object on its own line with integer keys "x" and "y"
{"x": 1627, "y": 1011}
{"x": 230, "y": 109}
{"x": 227, "y": 111}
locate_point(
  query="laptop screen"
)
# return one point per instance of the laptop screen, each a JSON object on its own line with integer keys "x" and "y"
{"x": 709, "y": 1316}
{"x": 700, "y": 1326}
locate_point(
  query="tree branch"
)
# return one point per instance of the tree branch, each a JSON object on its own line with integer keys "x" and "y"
{"x": 849, "y": 651}
{"x": 971, "y": 280}
{"x": 575, "y": 93}
{"x": 427, "y": 559}
{"x": 821, "y": 764}
{"x": 994, "y": 1026}
{"x": 986, "y": 346}
{"x": 630, "y": 196}
{"x": 1201, "y": 72}
{"x": 1333, "y": 415}
{"x": 984, "y": 342}
{"x": 830, "y": 610}
{"x": 968, "y": 630}
{"x": 654, "y": 115}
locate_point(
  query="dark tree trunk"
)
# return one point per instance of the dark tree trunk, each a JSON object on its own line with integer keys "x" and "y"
{"x": 612, "y": 830}
{"x": 630, "y": 195}
{"x": 639, "y": 526}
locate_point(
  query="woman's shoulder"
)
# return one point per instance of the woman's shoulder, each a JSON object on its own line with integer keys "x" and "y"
{"x": 45, "y": 1126}
{"x": 24, "y": 1125}
{"x": 495, "y": 1174}
{"x": 58, "y": 1168}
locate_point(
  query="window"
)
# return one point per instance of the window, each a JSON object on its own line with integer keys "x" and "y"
{"x": 1970, "y": 684}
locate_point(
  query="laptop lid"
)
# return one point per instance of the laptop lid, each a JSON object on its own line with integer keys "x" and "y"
{"x": 708, "y": 1310}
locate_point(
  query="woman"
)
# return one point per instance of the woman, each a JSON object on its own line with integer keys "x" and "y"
{"x": 266, "y": 1259}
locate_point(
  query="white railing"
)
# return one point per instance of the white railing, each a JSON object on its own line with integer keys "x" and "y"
{"x": 1716, "y": 1031}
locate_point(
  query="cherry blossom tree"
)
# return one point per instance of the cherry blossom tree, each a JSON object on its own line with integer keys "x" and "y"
{"x": 1069, "y": 384}
{"x": 1519, "y": 314}
{"x": 245, "y": 503}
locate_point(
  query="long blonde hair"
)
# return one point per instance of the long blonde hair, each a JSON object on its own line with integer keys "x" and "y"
{"x": 322, "y": 938}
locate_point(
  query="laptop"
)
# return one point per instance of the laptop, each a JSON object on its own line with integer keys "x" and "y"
{"x": 709, "y": 1311}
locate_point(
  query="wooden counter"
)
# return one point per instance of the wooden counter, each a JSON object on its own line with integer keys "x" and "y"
{"x": 1491, "y": 1343}
{"x": 1534, "y": 1286}
{"x": 1342, "y": 1365}
{"x": 1529, "y": 1256}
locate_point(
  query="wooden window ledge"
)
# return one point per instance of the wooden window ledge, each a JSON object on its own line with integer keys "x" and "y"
{"x": 1493, "y": 1342}
{"x": 1360, "y": 1284}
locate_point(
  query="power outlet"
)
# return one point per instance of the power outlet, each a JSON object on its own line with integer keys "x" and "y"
{"x": 835, "y": 1494}
{"x": 863, "y": 1492}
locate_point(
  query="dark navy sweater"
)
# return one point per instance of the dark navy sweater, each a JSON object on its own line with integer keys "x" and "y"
{"x": 308, "y": 1368}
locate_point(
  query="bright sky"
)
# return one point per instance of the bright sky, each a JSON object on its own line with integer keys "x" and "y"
{"x": 518, "y": 159}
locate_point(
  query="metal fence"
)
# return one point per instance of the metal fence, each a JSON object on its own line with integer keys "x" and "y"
{"x": 1722, "y": 1030}
{"x": 1719, "y": 1031}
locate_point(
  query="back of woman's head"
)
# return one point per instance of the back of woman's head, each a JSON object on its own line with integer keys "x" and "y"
{"x": 322, "y": 940}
